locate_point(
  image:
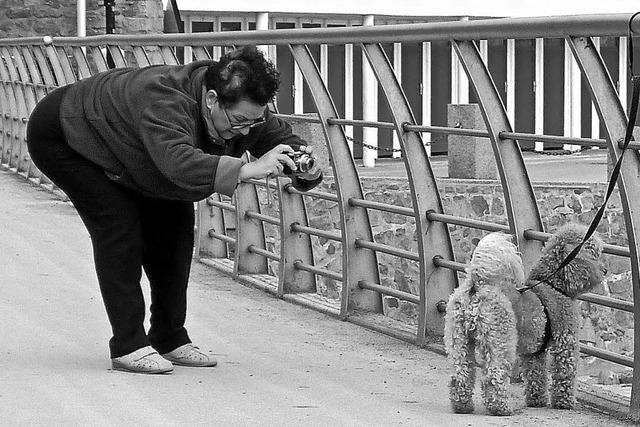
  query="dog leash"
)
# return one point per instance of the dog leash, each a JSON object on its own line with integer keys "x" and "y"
{"x": 633, "y": 112}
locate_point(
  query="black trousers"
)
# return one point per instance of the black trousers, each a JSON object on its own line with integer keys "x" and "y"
{"x": 128, "y": 232}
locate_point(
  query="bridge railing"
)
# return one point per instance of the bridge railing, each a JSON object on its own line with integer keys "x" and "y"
{"x": 231, "y": 232}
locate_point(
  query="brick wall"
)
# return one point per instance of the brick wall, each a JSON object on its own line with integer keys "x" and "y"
{"x": 21, "y": 18}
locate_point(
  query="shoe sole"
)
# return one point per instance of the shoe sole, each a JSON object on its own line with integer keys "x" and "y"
{"x": 193, "y": 365}
{"x": 124, "y": 368}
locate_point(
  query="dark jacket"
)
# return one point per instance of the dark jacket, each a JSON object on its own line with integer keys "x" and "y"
{"x": 144, "y": 127}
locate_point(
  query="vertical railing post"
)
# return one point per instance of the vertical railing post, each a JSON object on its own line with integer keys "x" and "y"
{"x": 250, "y": 232}
{"x": 210, "y": 219}
{"x": 520, "y": 201}
{"x": 294, "y": 246}
{"x": 357, "y": 264}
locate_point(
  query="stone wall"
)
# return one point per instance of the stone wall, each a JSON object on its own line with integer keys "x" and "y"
{"x": 482, "y": 200}
{"x": 22, "y": 18}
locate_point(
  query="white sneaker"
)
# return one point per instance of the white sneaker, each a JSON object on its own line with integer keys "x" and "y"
{"x": 144, "y": 360}
{"x": 190, "y": 355}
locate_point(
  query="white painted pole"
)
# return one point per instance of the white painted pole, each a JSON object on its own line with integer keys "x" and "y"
{"x": 511, "y": 82}
{"x": 262, "y": 23}
{"x": 622, "y": 72}
{"x": 539, "y": 93}
{"x": 595, "y": 120}
{"x": 81, "y": 12}
{"x": 397, "y": 68}
{"x": 459, "y": 80}
{"x": 484, "y": 51}
{"x": 369, "y": 106}
{"x": 426, "y": 93}
{"x": 572, "y": 99}
{"x": 188, "y": 29}
{"x": 298, "y": 84}
{"x": 348, "y": 92}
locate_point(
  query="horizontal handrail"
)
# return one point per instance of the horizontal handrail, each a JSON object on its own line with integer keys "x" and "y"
{"x": 607, "y": 248}
{"x": 379, "y": 247}
{"x": 263, "y": 252}
{"x": 262, "y": 217}
{"x": 222, "y": 237}
{"x": 221, "y": 205}
{"x": 385, "y": 207}
{"x": 473, "y": 223}
{"x": 485, "y": 29}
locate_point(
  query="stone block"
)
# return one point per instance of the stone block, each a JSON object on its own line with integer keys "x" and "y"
{"x": 470, "y": 157}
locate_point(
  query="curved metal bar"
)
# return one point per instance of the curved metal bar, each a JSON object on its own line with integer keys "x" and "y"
{"x": 29, "y": 103}
{"x": 520, "y": 200}
{"x": 356, "y": 264}
{"x": 294, "y": 246}
{"x": 20, "y": 119}
{"x": 614, "y": 119}
{"x": 67, "y": 69}
{"x": 199, "y": 52}
{"x": 80, "y": 56}
{"x": 250, "y": 232}
{"x": 98, "y": 58}
{"x": 56, "y": 67}
{"x": 141, "y": 56}
{"x": 12, "y": 148}
{"x": 168, "y": 55}
{"x": 117, "y": 56}
{"x": 210, "y": 218}
{"x": 433, "y": 237}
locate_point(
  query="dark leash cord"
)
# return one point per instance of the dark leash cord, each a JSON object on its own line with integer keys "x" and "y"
{"x": 633, "y": 112}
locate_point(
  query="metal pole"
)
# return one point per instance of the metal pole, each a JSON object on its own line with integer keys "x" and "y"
{"x": 110, "y": 22}
{"x": 81, "y": 12}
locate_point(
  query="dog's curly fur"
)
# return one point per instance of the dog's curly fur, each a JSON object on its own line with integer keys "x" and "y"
{"x": 488, "y": 322}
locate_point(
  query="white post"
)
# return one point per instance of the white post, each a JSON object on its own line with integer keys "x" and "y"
{"x": 511, "y": 82}
{"x": 397, "y": 68}
{"x": 369, "y": 106}
{"x": 298, "y": 84}
{"x": 262, "y": 23}
{"x": 572, "y": 99}
{"x": 622, "y": 72}
{"x": 324, "y": 59}
{"x": 188, "y": 29}
{"x": 595, "y": 120}
{"x": 459, "y": 80}
{"x": 217, "y": 50}
{"x": 539, "y": 93}
{"x": 426, "y": 93}
{"x": 81, "y": 12}
{"x": 484, "y": 51}
{"x": 348, "y": 92}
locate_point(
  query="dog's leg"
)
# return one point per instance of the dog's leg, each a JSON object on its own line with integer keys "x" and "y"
{"x": 535, "y": 379}
{"x": 563, "y": 369}
{"x": 498, "y": 348}
{"x": 463, "y": 377}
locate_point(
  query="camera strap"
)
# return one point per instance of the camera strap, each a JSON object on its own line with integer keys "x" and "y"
{"x": 633, "y": 112}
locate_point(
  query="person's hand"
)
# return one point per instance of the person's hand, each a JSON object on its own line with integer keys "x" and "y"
{"x": 270, "y": 164}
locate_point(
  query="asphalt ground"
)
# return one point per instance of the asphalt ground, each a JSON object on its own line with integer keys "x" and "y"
{"x": 279, "y": 364}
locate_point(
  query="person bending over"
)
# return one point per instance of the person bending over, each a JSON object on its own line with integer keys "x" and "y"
{"x": 133, "y": 149}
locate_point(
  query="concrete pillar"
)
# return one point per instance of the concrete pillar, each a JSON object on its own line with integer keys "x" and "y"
{"x": 469, "y": 157}
{"x": 369, "y": 105}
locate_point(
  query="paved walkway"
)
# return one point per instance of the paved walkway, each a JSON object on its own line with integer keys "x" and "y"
{"x": 279, "y": 364}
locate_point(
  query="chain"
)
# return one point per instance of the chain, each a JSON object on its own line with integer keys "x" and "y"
{"x": 373, "y": 147}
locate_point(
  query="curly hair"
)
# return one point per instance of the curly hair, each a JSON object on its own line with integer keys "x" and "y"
{"x": 243, "y": 73}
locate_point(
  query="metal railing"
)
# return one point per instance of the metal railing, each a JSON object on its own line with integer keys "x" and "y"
{"x": 231, "y": 233}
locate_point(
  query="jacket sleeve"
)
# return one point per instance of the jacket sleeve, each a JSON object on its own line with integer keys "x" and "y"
{"x": 167, "y": 131}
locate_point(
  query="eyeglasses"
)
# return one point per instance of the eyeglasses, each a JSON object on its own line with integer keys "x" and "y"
{"x": 238, "y": 126}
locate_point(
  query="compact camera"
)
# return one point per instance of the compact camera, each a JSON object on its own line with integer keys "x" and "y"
{"x": 304, "y": 163}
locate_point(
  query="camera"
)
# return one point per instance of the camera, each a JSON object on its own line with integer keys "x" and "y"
{"x": 304, "y": 162}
